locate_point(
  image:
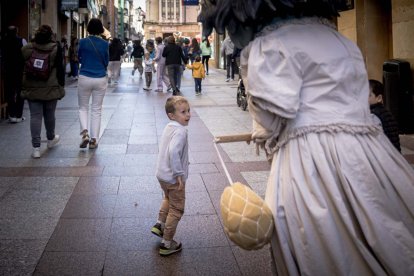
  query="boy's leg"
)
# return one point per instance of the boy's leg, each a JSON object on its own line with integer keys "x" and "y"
{"x": 175, "y": 210}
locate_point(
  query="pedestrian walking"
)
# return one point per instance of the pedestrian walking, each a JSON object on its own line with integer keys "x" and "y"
{"x": 13, "y": 73}
{"x": 43, "y": 85}
{"x": 73, "y": 58}
{"x": 116, "y": 51}
{"x": 94, "y": 58}
{"x": 387, "y": 121}
{"x": 149, "y": 68}
{"x": 174, "y": 58}
{"x": 341, "y": 195}
{"x": 206, "y": 52}
{"x": 194, "y": 49}
{"x": 198, "y": 74}
{"x": 227, "y": 49}
{"x": 161, "y": 70}
{"x": 129, "y": 49}
{"x": 137, "y": 54}
{"x": 172, "y": 173}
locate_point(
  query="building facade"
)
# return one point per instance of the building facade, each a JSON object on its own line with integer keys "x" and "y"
{"x": 171, "y": 17}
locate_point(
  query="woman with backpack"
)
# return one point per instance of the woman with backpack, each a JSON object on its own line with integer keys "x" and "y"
{"x": 43, "y": 85}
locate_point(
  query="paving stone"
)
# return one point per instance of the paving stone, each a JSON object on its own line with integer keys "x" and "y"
{"x": 139, "y": 184}
{"x": 142, "y": 148}
{"x": 90, "y": 206}
{"x": 256, "y": 262}
{"x": 80, "y": 235}
{"x": 19, "y": 257}
{"x": 27, "y": 227}
{"x": 202, "y": 261}
{"x": 97, "y": 185}
{"x": 71, "y": 263}
{"x": 138, "y": 205}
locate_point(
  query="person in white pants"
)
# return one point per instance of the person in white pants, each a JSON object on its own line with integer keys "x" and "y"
{"x": 161, "y": 72}
{"x": 93, "y": 55}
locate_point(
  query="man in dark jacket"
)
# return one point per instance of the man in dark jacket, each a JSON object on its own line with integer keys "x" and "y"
{"x": 137, "y": 54}
{"x": 13, "y": 73}
{"x": 174, "y": 57}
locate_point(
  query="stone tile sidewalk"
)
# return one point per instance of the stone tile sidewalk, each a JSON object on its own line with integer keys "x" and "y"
{"x": 89, "y": 212}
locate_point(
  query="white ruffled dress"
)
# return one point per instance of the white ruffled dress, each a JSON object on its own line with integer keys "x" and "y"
{"x": 341, "y": 194}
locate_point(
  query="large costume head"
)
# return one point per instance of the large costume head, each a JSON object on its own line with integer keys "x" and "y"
{"x": 244, "y": 18}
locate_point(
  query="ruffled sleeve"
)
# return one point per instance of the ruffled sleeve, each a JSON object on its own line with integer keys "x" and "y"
{"x": 273, "y": 79}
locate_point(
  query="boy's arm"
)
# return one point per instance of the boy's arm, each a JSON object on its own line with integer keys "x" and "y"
{"x": 189, "y": 66}
{"x": 177, "y": 144}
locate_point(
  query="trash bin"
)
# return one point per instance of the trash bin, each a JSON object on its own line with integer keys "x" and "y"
{"x": 398, "y": 93}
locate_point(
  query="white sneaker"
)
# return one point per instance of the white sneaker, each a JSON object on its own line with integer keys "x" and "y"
{"x": 12, "y": 120}
{"x": 53, "y": 142}
{"x": 227, "y": 80}
{"x": 36, "y": 153}
{"x": 19, "y": 120}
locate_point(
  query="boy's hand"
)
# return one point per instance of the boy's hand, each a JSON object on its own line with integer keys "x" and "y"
{"x": 180, "y": 183}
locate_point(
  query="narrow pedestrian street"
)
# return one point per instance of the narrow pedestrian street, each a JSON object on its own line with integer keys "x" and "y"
{"x": 89, "y": 212}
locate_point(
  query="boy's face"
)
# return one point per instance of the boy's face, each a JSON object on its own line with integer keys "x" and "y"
{"x": 182, "y": 114}
{"x": 372, "y": 99}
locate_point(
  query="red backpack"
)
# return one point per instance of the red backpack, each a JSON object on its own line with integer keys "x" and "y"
{"x": 38, "y": 65}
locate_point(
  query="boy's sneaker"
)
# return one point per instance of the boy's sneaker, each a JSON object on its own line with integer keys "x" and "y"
{"x": 157, "y": 230}
{"x": 174, "y": 248}
{"x": 228, "y": 79}
{"x": 93, "y": 144}
{"x": 36, "y": 153}
{"x": 84, "y": 141}
{"x": 53, "y": 142}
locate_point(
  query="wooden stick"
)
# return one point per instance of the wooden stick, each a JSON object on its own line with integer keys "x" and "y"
{"x": 245, "y": 137}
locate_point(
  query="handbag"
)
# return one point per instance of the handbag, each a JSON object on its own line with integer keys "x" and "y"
{"x": 99, "y": 55}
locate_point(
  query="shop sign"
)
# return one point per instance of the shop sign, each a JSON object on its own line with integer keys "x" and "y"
{"x": 190, "y": 2}
{"x": 67, "y": 5}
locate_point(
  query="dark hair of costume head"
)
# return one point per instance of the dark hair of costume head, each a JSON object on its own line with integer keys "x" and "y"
{"x": 376, "y": 87}
{"x": 244, "y": 18}
{"x": 43, "y": 35}
{"x": 95, "y": 27}
{"x": 158, "y": 40}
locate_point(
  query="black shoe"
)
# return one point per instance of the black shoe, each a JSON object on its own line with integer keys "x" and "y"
{"x": 157, "y": 230}
{"x": 174, "y": 248}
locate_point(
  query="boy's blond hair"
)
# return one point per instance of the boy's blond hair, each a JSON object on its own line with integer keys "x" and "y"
{"x": 172, "y": 102}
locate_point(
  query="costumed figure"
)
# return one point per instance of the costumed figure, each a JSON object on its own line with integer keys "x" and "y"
{"x": 341, "y": 194}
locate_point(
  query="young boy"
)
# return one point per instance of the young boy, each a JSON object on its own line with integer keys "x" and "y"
{"x": 389, "y": 125}
{"x": 149, "y": 67}
{"x": 198, "y": 73}
{"x": 172, "y": 172}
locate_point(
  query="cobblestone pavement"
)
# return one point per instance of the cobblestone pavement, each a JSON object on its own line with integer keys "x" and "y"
{"x": 89, "y": 212}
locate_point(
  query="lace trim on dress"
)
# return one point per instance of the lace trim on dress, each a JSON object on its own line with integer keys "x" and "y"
{"x": 331, "y": 128}
{"x": 295, "y": 21}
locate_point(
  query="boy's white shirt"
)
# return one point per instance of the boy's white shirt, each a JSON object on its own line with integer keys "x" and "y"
{"x": 148, "y": 65}
{"x": 173, "y": 155}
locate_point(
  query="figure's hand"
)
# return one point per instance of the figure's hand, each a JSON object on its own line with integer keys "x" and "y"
{"x": 180, "y": 183}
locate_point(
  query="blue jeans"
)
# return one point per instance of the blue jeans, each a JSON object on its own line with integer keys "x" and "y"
{"x": 197, "y": 82}
{"x": 38, "y": 111}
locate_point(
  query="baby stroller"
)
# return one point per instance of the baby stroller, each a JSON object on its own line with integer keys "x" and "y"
{"x": 241, "y": 94}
